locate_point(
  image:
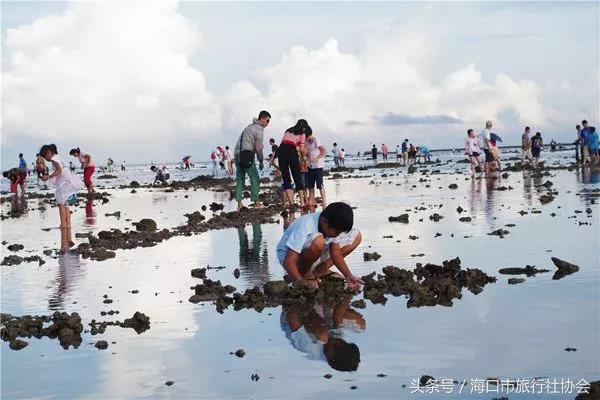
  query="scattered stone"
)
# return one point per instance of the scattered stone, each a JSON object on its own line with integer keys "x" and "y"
{"x": 465, "y": 219}
{"x": 101, "y": 345}
{"x": 240, "y": 353}
{"x": 359, "y": 303}
{"x": 18, "y": 344}
{"x": 546, "y": 198}
{"x": 134, "y": 184}
{"x": 107, "y": 176}
{"x": 381, "y": 375}
{"x": 401, "y": 218}
{"x": 529, "y": 270}
{"x": 145, "y": 225}
{"x": 453, "y": 186}
{"x": 514, "y": 281}
{"x": 15, "y": 247}
{"x": 570, "y": 349}
{"x": 499, "y": 232}
{"x": 169, "y": 383}
{"x": 459, "y": 209}
{"x": 435, "y": 217}
{"x": 199, "y": 273}
{"x": 115, "y": 214}
{"x": 236, "y": 273}
{"x": 254, "y": 377}
{"x": 371, "y": 256}
{"x": 327, "y": 376}
{"x": 564, "y": 268}
{"x": 413, "y": 237}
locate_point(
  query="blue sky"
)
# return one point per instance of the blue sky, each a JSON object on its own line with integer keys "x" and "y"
{"x": 138, "y": 82}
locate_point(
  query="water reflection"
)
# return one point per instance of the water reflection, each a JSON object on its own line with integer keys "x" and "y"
{"x": 18, "y": 206}
{"x": 254, "y": 259}
{"x": 90, "y": 214}
{"x": 68, "y": 274}
{"x": 319, "y": 333}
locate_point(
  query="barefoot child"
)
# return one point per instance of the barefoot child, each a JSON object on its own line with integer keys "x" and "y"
{"x": 66, "y": 192}
{"x": 14, "y": 176}
{"x": 316, "y": 163}
{"x": 315, "y": 242}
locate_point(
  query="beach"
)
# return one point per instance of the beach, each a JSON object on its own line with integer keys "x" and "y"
{"x": 504, "y": 331}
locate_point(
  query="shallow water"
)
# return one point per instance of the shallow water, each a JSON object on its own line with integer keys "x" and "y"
{"x": 506, "y": 331}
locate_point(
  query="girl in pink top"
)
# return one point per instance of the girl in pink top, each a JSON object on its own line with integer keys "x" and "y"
{"x": 292, "y": 143}
{"x": 88, "y": 167}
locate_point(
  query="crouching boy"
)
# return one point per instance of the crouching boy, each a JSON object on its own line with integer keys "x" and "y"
{"x": 315, "y": 242}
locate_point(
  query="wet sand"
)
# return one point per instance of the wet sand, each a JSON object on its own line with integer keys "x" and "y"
{"x": 506, "y": 330}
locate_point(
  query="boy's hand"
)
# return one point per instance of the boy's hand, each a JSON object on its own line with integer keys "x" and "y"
{"x": 312, "y": 283}
{"x": 354, "y": 282}
{"x": 45, "y": 178}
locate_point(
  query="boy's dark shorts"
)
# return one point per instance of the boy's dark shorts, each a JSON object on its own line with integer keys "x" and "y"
{"x": 488, "y": 155}
{"x": 315, "y": 176}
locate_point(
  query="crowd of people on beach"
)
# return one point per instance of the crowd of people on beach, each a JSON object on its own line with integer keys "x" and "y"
{"x": 316, "y": 241}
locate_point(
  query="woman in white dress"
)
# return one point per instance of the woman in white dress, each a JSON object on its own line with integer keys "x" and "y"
{"x": 66, "y": 185}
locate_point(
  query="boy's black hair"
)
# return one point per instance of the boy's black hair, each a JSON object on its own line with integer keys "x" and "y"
{"x": 75, "y": 150}
{"x": 342, "y": 356}
{"x": 5, "y": 174}
{"x": 271, "y": 140}
{"x": 468, "y": 131}
{"x": 334, "y": 143}
{"x": 153, "y": 168}
{"x": 339, "y": 215}
{"x": 592, "y": 129}
{"x": 584, "y": 122}
{"x": 264, "y": 114}
{"x": 577, "y": 127}
{"x": 20, "y": 155}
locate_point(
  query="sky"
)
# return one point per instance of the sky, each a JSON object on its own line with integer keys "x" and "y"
{"x": 158, "y": 80}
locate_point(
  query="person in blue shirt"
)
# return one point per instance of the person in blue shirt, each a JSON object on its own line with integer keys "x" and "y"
{"x": 22, "y": 172}
{"x": 315, "y": 242}
{"x": 404, "y": 152}
{"x": 425, "y": 153}
{"x": 583, "y": 141}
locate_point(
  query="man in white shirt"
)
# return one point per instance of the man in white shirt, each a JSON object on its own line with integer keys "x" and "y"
{"x": 485, "y": 145}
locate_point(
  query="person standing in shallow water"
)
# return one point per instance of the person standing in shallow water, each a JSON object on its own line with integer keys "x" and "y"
{"x": 88, "y": 168}
{"x": 384, "y": 152}
{"x": 67, "y": 185}
{"x": 336, "y": 157}
{"x": 292, "y": 143}
{"x": 536, "y": 148}
{"x": 374, "y": 154}
{"x": 250, "y": 145}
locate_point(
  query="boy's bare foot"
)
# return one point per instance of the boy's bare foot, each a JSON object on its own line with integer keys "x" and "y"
{"x": 258, "y": 204}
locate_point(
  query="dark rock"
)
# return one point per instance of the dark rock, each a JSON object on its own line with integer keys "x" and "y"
{"x": 236, "y": 273}
{"x": 453, "y": 186}
{"x": 146, "y": 225}
{"x": 401, "y": 218}
{"x": 275, "y": 288}
{"x": 327, "y": 376}
{"x": 15, "y": 247}
{"x": 371, "y": 256}
{"x": 465, "y": 219}
{"x": 514, "y": 281}
{"x": 570, "y": 349}
{"x": 240, "y": 353}
{"x": 459, "y": 209}
{"x": 134, "y": 184}
{"x": 546, "y": 198}
{"x": 169, "y": 383}
{"x": 564, "y": 268}
{"x": 499, "y": 232}
{"x": 115, "y": 214}
{"x": 107, "y": 176}
{"x": 195, "y": 217}
{"x": 101, "y": 345}
{"x": 199, "y": 273}
{"x": 359, "y": 303}
{"x": 529, "y": 270}
{"x": 17, "y": 344}
{"x": 435, "y": 217}
{"x": 140, "y": 322}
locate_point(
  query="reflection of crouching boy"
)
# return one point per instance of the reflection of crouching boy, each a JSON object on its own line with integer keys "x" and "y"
{"x": 315, "y": 242}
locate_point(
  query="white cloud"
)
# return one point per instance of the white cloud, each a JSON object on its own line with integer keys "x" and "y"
{"x": 106, "y": 73}
{"x": 329, "y": 87}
